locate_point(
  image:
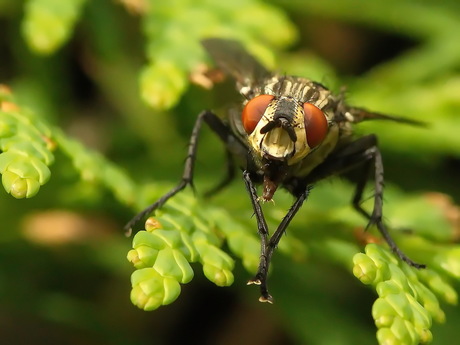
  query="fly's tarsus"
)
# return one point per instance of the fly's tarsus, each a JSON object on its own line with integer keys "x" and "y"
{"x": 269, "y": 244}
{"x": 227, "y": 137}
{"x": 187, "y": 175}
{"x": 372, "y": 158}
{"x": 363, "y": 155}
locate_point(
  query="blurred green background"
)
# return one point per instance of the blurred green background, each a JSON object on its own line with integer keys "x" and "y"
{"x": 115, "y": 76}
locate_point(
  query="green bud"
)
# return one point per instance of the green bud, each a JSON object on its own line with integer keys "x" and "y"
{"x": 364, "y": 268}
{"x": 145, "y": 238}
{"x": 152, "y": 224}
{"x": 215, "y": 256}
{"x": 410, "y": 273}
{"x": 21, "y": 166}
{"x": 24, "y": 166}
{"x": 5, "y": 159}
{"x": 31, "y": 146}
{"x": 219, "y": 276}
{"x": 162, "y": 83}
{"x": 380, "y": 255}
{"x": 187, "y": 248}
{"x": 143, "y": 256}
{"x": 384, "y": 321}
{"x": 133, "y": 257}
{"x": 172, "y": 264}
{"x": 48, "y": 24}
{"x": 173, "y": 222}
{"x": 19, "y": 187}
{"x": 245, "y": 246}
{"x": 41, "y": 168}
{"x": 388, "y": 287}
{"x": 426, "y": 337}
{"x": 203, "y": 226}
{"x": 383, "y": 313}
{"x": 143, "y": 301}
{"x": 430, "y": 303}
{"x": 172, "y": 238}
{"x": 420, "y": 316}
{"x": 400, "y": 305}
{"x": 151, "y": 290}
{"x": 241, "y": 242}
{"x": 182, "y": 209}
{"x": 449, "y": 261}
{"x": 386, "y": 337}
{"x": 438, "y": 285}
{"x": 205, "y": 238}
{"x": 217, "y": 264}
{"x": 399, "y": 278}
{"x": 404, "y": 331}
{"x": 171, "y": 290}
{"x": 184, "y": 266}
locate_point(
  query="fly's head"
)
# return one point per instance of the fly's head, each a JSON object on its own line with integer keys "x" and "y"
{"x": 284, "y": 127}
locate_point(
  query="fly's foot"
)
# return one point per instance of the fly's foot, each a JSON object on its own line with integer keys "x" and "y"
{"x": 264, "y": 295}
{"x": 260, "y": 279}
{"x": 254, "y": 281}
{"x": 266, "y": 299}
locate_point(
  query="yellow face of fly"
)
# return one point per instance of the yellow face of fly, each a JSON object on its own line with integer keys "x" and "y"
{"x": 281, "y": 142}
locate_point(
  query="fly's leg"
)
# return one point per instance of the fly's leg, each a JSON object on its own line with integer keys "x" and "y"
{"x": 275, "y": 239}
{"x": 376, "y": 217}
{"x": 261, "y": 276}
{"x": 359, "y": 189}
{"x": 363, "y": 151}
{"x": 268, "y": 245}
{"x": 224, "y": 134}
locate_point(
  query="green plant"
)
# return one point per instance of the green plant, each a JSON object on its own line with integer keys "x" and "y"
{"x": 422, "y": 83}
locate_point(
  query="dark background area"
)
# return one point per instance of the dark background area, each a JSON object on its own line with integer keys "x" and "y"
{"x": 64, "y": 277}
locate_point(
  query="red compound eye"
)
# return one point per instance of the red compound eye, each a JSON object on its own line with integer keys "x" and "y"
{"x": 315, "y": 124}
{"x": 253, "y": 111}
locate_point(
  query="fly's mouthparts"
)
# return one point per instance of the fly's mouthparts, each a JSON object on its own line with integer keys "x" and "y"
{"x": 280, "y": 122}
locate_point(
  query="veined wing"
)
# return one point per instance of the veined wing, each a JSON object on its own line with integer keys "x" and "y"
{"x": 232, "y": 58}
{"x": 361, "y": 114}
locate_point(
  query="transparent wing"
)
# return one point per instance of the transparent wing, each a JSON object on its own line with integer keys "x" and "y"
{"x": 233, "y": 59}
{"x": 361, "y": 114}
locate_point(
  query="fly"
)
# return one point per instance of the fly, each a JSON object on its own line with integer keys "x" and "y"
{"x": 292, "y": 132}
